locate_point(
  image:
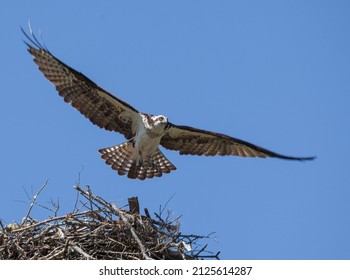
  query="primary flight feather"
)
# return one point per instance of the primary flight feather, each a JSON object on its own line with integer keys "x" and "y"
{"x": 139, "y": 157}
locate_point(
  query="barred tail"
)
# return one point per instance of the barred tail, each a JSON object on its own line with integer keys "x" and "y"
{"x": 124, "y": 159}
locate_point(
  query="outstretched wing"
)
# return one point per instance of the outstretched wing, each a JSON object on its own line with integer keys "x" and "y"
{"x": 192, "y": 141}
{"x": 95, "y": 103}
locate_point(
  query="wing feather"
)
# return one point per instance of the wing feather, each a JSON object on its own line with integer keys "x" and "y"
{"x": 192, "y": 141}
{"x": 100, "y": 107}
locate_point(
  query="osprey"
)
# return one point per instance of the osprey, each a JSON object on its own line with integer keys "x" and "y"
{"x": 139, "y": 157}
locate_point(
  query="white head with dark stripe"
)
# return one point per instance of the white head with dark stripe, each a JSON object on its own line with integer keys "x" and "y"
{"x": 160, "y": 120}
{"x": 155, "y": 123}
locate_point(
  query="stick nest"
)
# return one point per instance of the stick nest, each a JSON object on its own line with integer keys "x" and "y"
{"x": 99, "y": 230}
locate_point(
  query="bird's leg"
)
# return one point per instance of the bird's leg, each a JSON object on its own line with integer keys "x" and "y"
{"x": 150, "y": 163}
{"x": 140, "y": 160}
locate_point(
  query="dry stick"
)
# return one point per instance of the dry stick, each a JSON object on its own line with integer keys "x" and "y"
{"x": 113, "y": 208}
{"x": 49, "y": 220}
{"x": 33, "y": 202}
{"x": 55, "y": 253}
{"x": 81, "y": 251}
{"x": 2, "y": 226}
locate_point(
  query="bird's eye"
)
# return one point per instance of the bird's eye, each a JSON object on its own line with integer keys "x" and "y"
{"x": 161, "y": 119}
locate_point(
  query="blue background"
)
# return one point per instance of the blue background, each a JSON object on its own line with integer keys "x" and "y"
{"x": 274, "y": 73}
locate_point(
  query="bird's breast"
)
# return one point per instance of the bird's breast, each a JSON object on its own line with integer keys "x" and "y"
{"x": 146, "y": 141}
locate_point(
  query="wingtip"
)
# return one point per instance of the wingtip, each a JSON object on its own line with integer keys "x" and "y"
{"x": 294, "y": 158}
{"x": 301, "y": 158}
{"x": 33, "y": 41}
{"x": 309, "y": 158}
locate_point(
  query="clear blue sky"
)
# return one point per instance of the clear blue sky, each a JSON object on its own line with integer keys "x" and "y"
{"x": 274, "y": 73}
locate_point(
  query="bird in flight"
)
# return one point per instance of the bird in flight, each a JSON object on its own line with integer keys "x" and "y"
{"x": 139, "y": 157}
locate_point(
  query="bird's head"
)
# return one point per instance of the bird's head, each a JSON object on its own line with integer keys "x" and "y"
{"x": 158, "y": 124}
{"x": 160, "y": 120}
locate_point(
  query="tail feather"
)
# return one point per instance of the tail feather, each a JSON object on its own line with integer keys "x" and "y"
{"x": 124, "y": 159}
{"x": 119, "y": 157}
{"x": 133, "y": 172}
{"x": 162, "y": 162}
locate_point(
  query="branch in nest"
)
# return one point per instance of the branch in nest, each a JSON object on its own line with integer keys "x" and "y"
{"x": 96, "y": 229}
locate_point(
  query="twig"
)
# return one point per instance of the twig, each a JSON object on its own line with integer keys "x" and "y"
{"x": 81, "y": 251}
{"x": 166, "y": 204}
{"x": 120, "y": 213}
{"x": 24, "y": 220}
{"x": 49, "y": 220}
{"x": 54, "y": 254}
{"x": 2, "y": 226}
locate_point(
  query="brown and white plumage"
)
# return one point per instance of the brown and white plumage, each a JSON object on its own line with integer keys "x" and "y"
{"x": 140, "y": 156}
{"x": 120, "y": 159}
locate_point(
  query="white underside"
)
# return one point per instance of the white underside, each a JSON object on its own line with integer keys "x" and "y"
{"x": 146, "y": 142}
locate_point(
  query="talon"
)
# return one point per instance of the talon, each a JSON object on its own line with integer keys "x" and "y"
{"x": 140, "y": 163}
